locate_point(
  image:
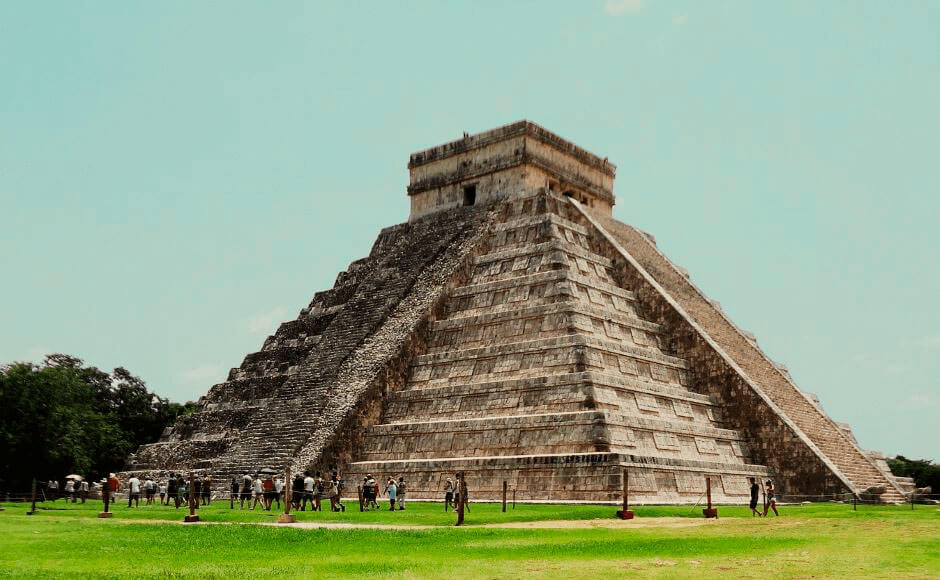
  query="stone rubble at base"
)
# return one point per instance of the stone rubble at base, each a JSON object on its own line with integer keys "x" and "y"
{"x": 514, "y": 331}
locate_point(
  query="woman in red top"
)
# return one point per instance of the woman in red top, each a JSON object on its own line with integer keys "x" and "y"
{"x": 269, "y": 492}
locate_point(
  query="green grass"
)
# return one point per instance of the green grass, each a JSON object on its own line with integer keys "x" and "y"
{"x": 815, "y": 540}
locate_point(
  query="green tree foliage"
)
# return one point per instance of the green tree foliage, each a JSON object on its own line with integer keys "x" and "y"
{"x": 924, "y": 472}
{"x": 62, "y": 417}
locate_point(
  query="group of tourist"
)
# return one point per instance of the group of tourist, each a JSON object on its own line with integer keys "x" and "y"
{"x": 75, "y": 489}
{"x": 396, "y": 490}
{"x": 770, "y": 500}
{"x": 175, "y": 489}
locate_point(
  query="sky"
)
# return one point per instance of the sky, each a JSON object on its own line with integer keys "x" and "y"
{"x": 176, "y": 178}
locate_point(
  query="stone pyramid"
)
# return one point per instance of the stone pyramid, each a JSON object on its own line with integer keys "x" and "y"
{"x": 514, "y": 331}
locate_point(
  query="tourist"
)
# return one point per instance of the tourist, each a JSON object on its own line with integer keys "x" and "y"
{"x": 336, "y": 492}
{"x": 207, "y": 489}
{"x": 369, "y": 491}
{"x": 448, "y": 494}
{"x": 162, "y": 488}
{"x": 134, "y": 495}
{"x": 258, "y": 490}
{"x": 197, "y": 488}
{"x": 233, "y": 488}
{"x": 172, "y": 490}
{"x": 755, "y": 489}
{"x": 182, "y": 492}
{"x": 297, "y": 491}
{"x": 401, "y": 493}
{"x": 269, "y": 493}
{"x": 246, "y": 489}
{"x": 771, "y": 499}
{"x": 69, "y": 490}
{"x": 83, "y": 490}
{"x": 149, "y": 490}
{"x": 317, "y": 492}
{"x": 278, "y": 491}
{"x": 391, "y": 488}
{"x": 308, "y": 492}
{"x": 114, "y": 485}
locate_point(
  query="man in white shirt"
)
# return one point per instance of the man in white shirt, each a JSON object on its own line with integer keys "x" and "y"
{"x": 308, "y": 491}
{"x": 83, "y": 490}
{"x": 278, "y": 489}
{"x": 134, "y": 495}
{"x": 149, "y": 488}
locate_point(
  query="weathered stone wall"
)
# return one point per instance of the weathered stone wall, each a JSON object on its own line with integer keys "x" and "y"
{"x": 776, "y": 441}
{"x": 516, "y": 158}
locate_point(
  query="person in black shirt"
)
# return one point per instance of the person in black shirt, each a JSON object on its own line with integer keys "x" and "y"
{"x": 755, "y": 489}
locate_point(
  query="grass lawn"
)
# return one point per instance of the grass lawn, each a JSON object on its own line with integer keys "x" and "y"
{"x": 814, "y": 540}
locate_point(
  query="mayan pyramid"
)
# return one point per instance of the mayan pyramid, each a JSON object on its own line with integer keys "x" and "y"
{"x": 513, "y": 330}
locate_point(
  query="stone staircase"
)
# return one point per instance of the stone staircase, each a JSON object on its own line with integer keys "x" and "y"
{"x": 540, "y": 372}
{"x": 819, "y": 431}
{"x": 271, "y": 406}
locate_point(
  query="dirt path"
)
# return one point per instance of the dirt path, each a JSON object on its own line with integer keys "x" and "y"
{"x": 662, "y": 522}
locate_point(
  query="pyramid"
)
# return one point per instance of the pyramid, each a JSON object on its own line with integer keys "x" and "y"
{"x": 514, "y": 331}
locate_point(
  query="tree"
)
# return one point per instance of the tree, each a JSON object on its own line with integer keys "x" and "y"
{"x": 924, "y": 472}
{"x": 63, "y": 417}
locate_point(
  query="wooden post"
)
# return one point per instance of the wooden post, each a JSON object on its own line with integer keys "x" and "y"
{"x": 192, "y": 517}
{"x": 709, "y": 512}
{"x": 625, "y": 513}
{"x": 359, "y": 491}
{"x": 106, "y": 494}
{"x": 505, "y": 487}
{"x": 287, "y": 517}
{"x": 854, "y": 502}
{"x": 33, "y": 509}
{"x": 461, "y": 487}
{"x": 514, "y": 497}
{"x": 231, "y": 498}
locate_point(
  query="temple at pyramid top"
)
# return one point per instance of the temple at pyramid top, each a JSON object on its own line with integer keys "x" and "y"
{"x": 516, "y": 158}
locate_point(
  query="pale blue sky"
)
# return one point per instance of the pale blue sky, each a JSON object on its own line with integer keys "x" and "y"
{"x": 178, "y": 177}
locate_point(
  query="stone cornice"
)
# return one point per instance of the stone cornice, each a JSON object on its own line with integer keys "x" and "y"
{"x": 506, "y": 132}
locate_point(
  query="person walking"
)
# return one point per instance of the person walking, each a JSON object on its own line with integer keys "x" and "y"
{"x": 269, "y": 493}
{"x": 197, "y": 489}
{"x": 233, "y": 489}
{"x": 336, "y": 494}
{"x": 317, "y": 492}
{"x": 162, "y": 488}
{"x": 278, "y": 491}
{"x": 149, "y": 490}
{"x": 69, "y": 490}
{"x": 448, "y": 494}
{"x": 83, "y": 490}
{"x": 114, "y": 485}
{"x": 755, "y": 491}
{"x": 401, "y": 493}
{"x": 308, "y": 492}
{"x": 134, "y": 495}
{"x": 771, "y": 499}
{"x": 172, "y": 490}
{"x": 246, "y": 489}
{"x": 391, "y": 488}
{"x": 297, "y": 490}
{"x": 258, "y": 490}
{"x": 207, "y": 489}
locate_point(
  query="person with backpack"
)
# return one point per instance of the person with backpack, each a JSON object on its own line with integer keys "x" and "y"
{"x": 401, "y": 493}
